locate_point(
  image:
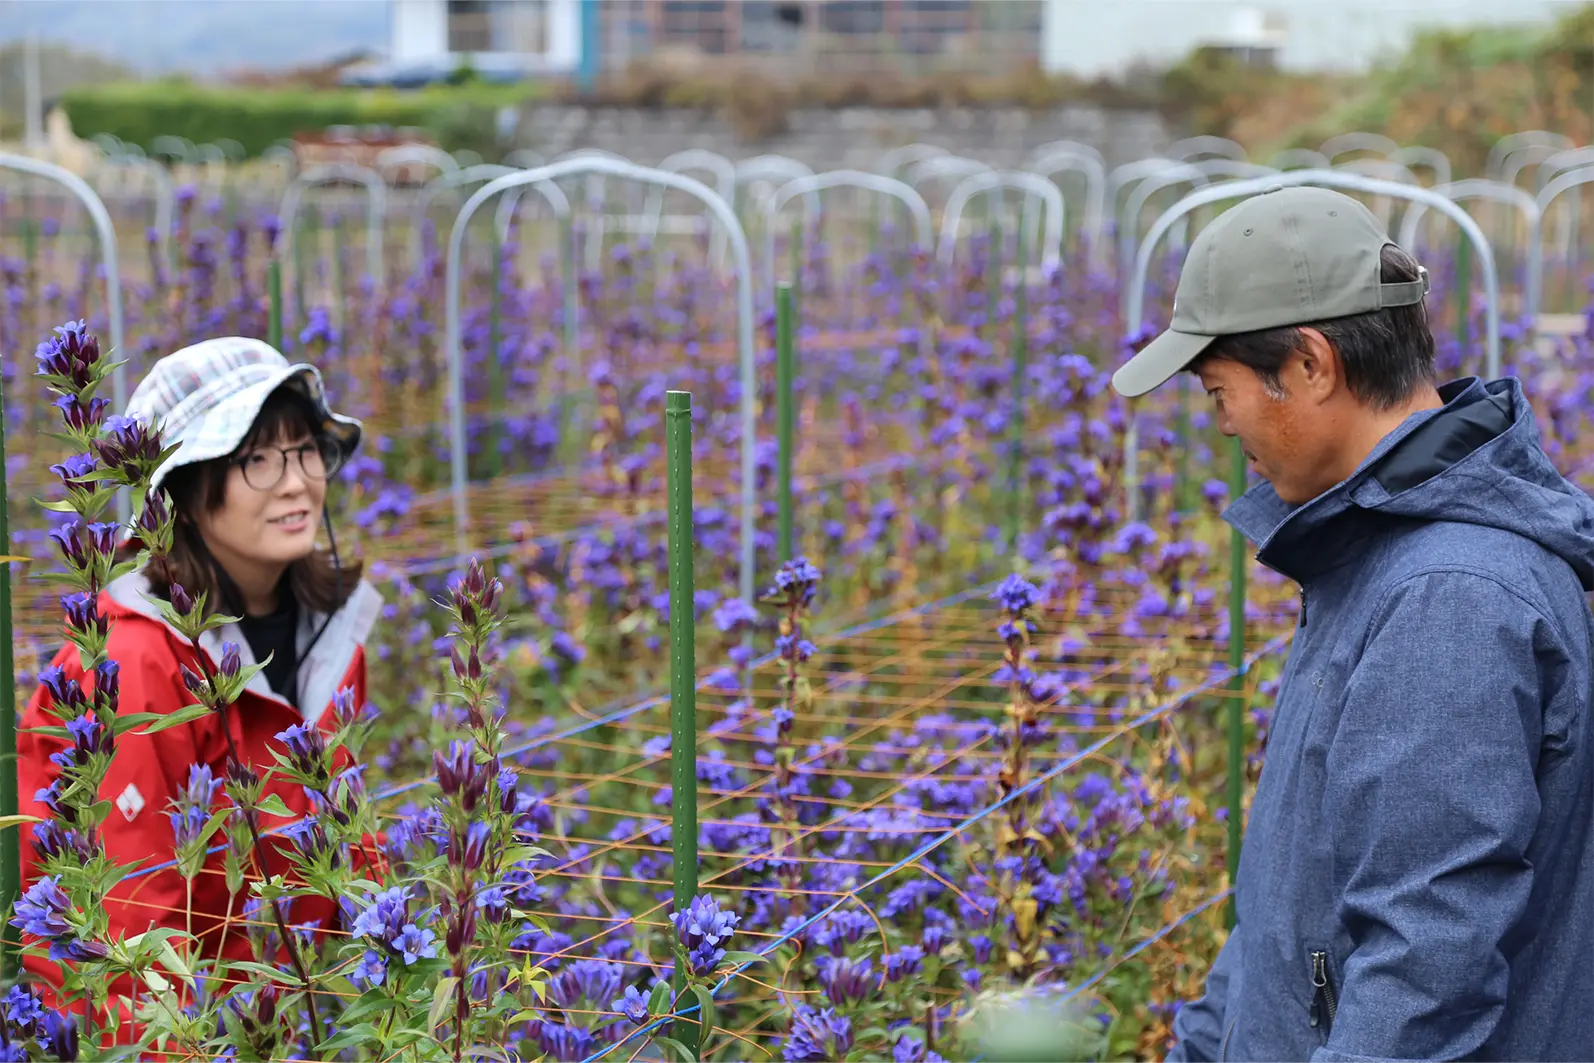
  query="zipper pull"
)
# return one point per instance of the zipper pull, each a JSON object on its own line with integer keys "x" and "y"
{"x": 1303, "y": 606}
{"x": 1319, "y": 981}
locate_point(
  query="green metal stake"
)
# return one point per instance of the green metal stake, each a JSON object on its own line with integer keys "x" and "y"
{"x": 683, "y": 670}
{"x": 784, "y": 357}
{"x": 1237, "y": 484}
{"x": 10, "y": 869}
{"x": 1463, "y": 290}
{"x": 274, "y": 292}
{"x": 1015, "y": 475}
{"x": 796, "y": 259}
{"x": 495, "y": 371}
{"x": 30, "y": 242}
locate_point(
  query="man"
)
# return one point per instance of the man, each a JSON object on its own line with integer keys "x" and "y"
{"x": 1417, "y": 880}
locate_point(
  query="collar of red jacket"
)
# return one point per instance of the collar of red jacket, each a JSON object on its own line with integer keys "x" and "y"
{"x": 322, "y": 669}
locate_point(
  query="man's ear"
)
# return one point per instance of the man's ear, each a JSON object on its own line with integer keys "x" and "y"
{"x": 1320, "y": 372}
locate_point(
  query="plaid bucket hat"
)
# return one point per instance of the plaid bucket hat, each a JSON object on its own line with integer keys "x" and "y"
{"x": 206, "y": 397}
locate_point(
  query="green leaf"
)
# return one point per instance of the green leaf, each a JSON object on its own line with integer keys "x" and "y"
{"x": 170, "y": 960}
{"x": 351, "y": 1037}
{"x": 370, "y": 1003}
{"x": 280, "y": 977}
{"x": 659, "y": 1000}
{"x": 745, "y": 957}
{"x": 17, "y": 820}
{"x": 272, "y": 805}
{"x": 159, "y": 721}
{"x": 678, "y": 1048}
{"x": 705, "y": 1000}
{"x": 442, "y": 1000}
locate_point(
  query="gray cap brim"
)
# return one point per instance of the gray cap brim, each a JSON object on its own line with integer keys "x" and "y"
{"x": 1158, "y": 361}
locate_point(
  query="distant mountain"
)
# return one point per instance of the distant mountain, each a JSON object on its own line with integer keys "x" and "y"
{"x": 203, "y": 37}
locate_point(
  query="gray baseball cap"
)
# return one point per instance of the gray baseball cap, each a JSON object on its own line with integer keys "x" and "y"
{"x": 1287, "y": 256}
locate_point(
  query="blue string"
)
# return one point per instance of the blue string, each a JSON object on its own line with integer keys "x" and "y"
{"x": 1149, "y": 716}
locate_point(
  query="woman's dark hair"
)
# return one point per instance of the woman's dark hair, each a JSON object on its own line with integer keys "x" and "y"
{"x": 1387, "y": 354}
{"x": 318, "y": 582}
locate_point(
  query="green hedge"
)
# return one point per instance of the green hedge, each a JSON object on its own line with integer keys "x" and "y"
{"x": 256, "y": 118}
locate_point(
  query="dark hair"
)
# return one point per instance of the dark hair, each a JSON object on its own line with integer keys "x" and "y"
{"x": 318, "y": 582}
{"x": 1387, "y": 354}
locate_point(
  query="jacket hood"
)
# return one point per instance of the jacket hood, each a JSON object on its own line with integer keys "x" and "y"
{"x": 1475, "y": 460}
{"x": 321, "y": 671}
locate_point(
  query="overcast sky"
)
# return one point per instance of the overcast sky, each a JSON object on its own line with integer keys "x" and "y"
{"x": 203, "y": 36}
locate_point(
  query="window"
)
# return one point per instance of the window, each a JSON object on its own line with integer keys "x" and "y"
{"x": 699, "y": 23}
{"x": 771, "y": 26}
{"x": 515, "y": 26}
{"x": 853, "y": 16}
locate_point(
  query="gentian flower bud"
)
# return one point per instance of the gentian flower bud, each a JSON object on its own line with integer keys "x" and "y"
{"x": 241, "y": 775}
{"x": 83, "y": 614}
{"x": 180, "y": 599}
{"x": 231, "y": 660}
{"x": 266, "y": 1004}
{"x": 455, "y": 768}
{"x": 108, "y": 680}
{"x": 73, "y": 469}
{"x": 157, "y": 512}
{"x": 58, "y": 1035}
{"x": 102, "y": 537}
{"x": 461, "y": 930}
{"x": 67, "y": 538}
{"x": 306, "y": 749}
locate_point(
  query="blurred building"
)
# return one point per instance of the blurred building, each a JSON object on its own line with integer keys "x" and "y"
{"x": 828, "y": 36}
{"x": 1086, "y": 38}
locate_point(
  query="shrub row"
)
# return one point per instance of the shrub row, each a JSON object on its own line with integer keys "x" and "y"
{"x": 138, "y": 113}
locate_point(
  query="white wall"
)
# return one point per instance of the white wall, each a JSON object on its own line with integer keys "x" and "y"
{"x": 420, "y": 30}
{"x": 1104, "y": 37}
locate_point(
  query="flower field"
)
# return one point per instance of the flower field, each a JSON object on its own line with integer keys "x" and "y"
{"x": 957, "y": 770}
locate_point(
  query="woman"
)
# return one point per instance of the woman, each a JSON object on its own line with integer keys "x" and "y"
{"x": 248, "y": 488}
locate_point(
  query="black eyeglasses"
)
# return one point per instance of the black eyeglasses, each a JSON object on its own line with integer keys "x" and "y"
{"x": 264, "y": 467}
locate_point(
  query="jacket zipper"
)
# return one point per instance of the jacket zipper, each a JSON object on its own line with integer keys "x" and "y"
{"x": 1303, "y": 606}
{"x": 1323, "y": 998}
{"x": 1223, "y": 1050}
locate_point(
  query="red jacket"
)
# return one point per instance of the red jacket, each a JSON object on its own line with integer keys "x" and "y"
{"x": 147, "y": 772}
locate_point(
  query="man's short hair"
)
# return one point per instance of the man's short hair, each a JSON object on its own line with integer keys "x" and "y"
{"x": 1387, "y": 354}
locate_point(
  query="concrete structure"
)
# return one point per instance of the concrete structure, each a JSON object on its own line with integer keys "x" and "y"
{"x": 500, "y": 39}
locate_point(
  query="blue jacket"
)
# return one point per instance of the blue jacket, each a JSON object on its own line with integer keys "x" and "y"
{"x": 1417, "y": 877}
